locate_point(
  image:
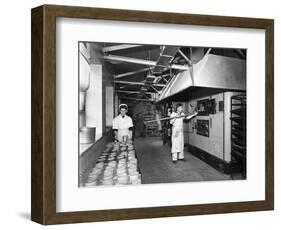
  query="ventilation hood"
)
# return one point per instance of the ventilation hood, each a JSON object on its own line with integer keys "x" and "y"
{"x": 212, "y": 71}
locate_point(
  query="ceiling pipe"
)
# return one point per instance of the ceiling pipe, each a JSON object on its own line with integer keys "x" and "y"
{"x": 118, "y": 47}
{"x": 132, "y": 92}
{"x": 135, "y": 99}
{"x": 138, "y": 83}
{"x": 131, "y": 73}
{"x": 141, "y": 61}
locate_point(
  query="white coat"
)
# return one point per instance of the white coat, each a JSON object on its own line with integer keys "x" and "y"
{"x": 177, "y": 133}
{"x": 122, "y": 124}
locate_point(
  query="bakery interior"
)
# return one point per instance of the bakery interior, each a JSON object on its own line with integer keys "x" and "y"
{"x": 151, "y": 79}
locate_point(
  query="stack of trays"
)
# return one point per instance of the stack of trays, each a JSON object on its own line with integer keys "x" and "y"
{"x": 116, "y": 165}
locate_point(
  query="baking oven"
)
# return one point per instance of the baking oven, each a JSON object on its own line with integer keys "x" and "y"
{"x": 203, "y": 127}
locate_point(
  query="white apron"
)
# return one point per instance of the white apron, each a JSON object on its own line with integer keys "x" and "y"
{"x": 122, "y": 125}
{"x": 121, "y": 133}
{"x": 177, "y": 134}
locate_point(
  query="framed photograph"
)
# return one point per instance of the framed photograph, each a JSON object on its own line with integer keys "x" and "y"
{"x": 139, "y": 114}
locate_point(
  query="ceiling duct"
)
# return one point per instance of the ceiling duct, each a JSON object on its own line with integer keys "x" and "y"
{"x": 212, "y": 71}
{"x": 196, "y": 54}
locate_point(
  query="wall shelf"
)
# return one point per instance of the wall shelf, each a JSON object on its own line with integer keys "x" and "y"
{"x": 238, "y": 131}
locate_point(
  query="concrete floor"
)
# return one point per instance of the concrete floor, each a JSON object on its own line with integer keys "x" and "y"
{"x": 156, "y": 165}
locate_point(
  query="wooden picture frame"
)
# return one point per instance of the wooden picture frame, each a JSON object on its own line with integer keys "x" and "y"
{"x": 43, "y": 207}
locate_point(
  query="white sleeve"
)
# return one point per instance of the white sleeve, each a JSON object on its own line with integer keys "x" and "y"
{"x": 173, "y": 120}
{"x": 130, "y": 122}
{"x": 191, "y": 116}
{"x": 115, "y": 123}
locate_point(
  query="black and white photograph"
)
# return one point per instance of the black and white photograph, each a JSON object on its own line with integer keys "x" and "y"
{"x": 152, "y": 113}
{"x": 143, "y": 114}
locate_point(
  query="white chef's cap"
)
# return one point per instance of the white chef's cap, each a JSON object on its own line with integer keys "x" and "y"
{"x": 123, "y": 106}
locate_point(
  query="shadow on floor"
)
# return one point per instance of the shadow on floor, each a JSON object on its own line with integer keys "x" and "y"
{"x": 25, "y": 215}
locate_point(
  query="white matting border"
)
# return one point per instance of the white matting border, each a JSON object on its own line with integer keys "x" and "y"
{"x": 72, "y": 198}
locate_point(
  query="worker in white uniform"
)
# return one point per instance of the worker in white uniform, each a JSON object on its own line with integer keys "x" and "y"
{"x": 177, "y": 133}
{"x": 122, "y": 124}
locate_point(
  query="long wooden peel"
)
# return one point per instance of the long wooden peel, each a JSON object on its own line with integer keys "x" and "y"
{"x": 169, "y": 118}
